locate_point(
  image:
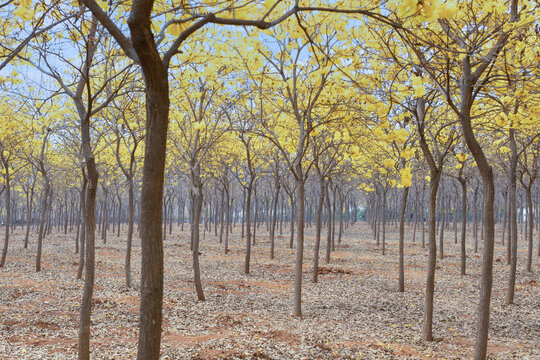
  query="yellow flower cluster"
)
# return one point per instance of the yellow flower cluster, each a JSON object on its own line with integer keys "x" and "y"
{"x": 406, "y": 176}
{"x": 388, "y": 163}
{"x": 461, "y": 157}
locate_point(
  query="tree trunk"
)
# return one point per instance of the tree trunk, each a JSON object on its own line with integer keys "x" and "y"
{"x": 513, "y": 231}
{"x": 475, "y": 218}
{"x": 131, "y": 220}
{"x": 248, "y": 226}
{"x": 427, "y": 333}
{"x": 329, "y": 231}
{"x": 401, "y": 285}
{"x": 119, "y": 219}
{"x": 334, "y": 212}
{"x": 383, "y": 215}
{"x": 8, "y": 214}
{"x": 86, "y": 303}
{"x": 274, "y": 221}
{"x": 297, "y": 306}
{"x": 198, "y": 201}
{"x": 46, "y": 189}
{"x": 441, "y": 234}
{"x": 530, "y": 223}
{"x": 222, "y": 216}
{"x": 228, "y": 219}
{"x": 505, "y": 221}
{"x": 486, "y": 171}
{"x": 463, "y": 225}
{"x": 292, "y": 214}
{"x": 157, "y": 120}
{"x": 341, "y": 209}
{"x": 255, "y": 213}
{"x": 415, "y": 216}
{"x": 29, "y": 215}
{"x": 82, "y": 237}
{"x": 423, "y": 216}
{"x": 318, "y": 228}
{"x": 243, "y": 213}
{"x": 455, "y": 215}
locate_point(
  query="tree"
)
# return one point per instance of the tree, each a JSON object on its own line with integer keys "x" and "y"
{"x": 197, "y": 127}
{"x": 45, "y": 197}
{"x": 442, "y": 142}
{"x": 11, "y": 138}
{"x": 143, "y": 49}
{"x": 126, "y": 125}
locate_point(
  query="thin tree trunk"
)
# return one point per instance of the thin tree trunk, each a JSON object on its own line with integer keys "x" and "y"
{"x": 292, "y": 214}
{"x": 198, "y": 201}
{"x": 82, "y": 237}
{"x": 222, "y": 216}
{"x": 8, "y": 214}
{"x": 243, "y": 214}
{"x": 318, "y": 228}
{"x": 513, "y": 231}
{"x": 29, "y": 215}
{"x": 423, "y": 217}
{"x": 401, "y": 284}
{"x": 475, "y": 218}
{"x": 86, "y": 303}
{"x": 228, "y": 217}
{"x": 530, "y": 221}
{"x": 297, "y": 304}
{"x": 248, "y": 227}
{"x": 131, "y": 220}
{"x": 383, "y": 214}
{"x": 441, "y": 234}
{"x": 463, "y": 225}
{"x": 274, "y": 221}
{"x": 329, "y": 231}
{"x": 432, "y": 257}
{"x": 119, "y": 217}
{"x": 46, "y": 189}
{"x": 505, "y": 220}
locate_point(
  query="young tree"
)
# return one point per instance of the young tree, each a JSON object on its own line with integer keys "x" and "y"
{"x": 11, "y": 138}
{"x": 126, "y": 124}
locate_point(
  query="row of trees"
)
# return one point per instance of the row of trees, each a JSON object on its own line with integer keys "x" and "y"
{"x": 269, "y": 209}
{"x": 331, "y": 100}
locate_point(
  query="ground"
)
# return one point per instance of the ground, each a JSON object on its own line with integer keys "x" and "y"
{"x": 354, "y": 311}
